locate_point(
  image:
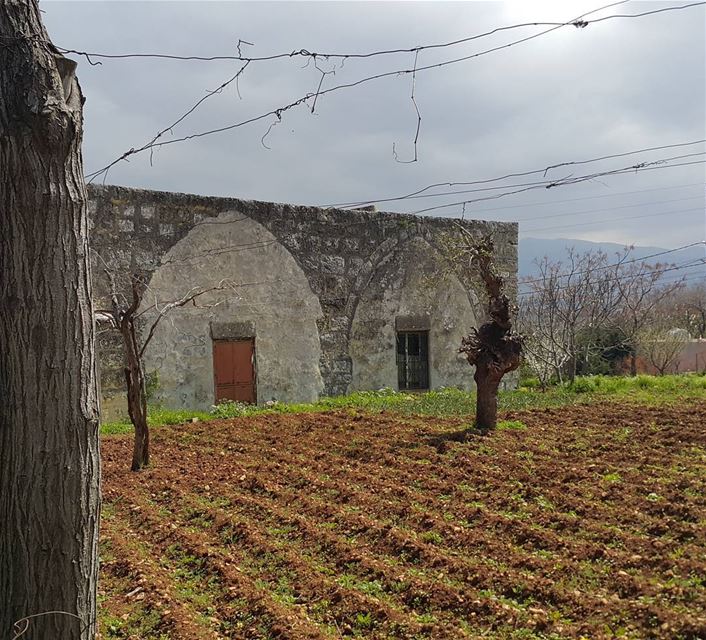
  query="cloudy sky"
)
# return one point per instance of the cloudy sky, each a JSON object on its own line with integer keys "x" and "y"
{"x": 573, "y": 94}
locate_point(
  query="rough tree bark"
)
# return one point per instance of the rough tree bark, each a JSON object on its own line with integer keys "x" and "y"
{"x": 49, "y": 460}
{"x": 494, "y": 348}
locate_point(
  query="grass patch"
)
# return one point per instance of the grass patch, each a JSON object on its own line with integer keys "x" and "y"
{"x": 156, "y": 417}
{"x": 512, "y": 425}
{"x": 643, "y": 389}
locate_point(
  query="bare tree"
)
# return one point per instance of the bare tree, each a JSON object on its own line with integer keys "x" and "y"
{"x": 124, "y": 315}
{"x": 49, "y": 459}
{"x": 494, "y": 349}
{"x": 641, "y": 295}
{"x": 661, "y": 345}
{"x": 563, "y": 308}
{"x": 544, "y": 346}
{"x": 566, "y": 309}
{"x": 690, "y": 308}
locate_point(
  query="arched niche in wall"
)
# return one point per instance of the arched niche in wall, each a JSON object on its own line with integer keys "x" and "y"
{"x": 407, "y": 293}
{"x": 270, "y": 298}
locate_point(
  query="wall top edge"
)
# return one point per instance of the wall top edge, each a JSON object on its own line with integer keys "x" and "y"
{"x": 96, "y": 192}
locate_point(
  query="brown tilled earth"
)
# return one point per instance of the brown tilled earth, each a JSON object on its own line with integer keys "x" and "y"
{"x": 590, "y": 522}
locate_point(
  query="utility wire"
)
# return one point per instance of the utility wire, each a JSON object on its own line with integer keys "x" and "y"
{"x": 198, "y": 103}
{"x": 651, "y": 272}
{"x": 626, "y": 206}
{"x": 516, "y": 174}
{"x": 696, "y": 277}
{"x": 616, "y": 218}
{"x": 304, "y": 53}
{"x": 605, "y": 195}
{"x": 621, "y": 263}
{"x": 277, "y": 113}
{"x": 636, "y": 168}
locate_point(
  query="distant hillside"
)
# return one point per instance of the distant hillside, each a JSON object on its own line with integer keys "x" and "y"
{"x": 531, "y": 249}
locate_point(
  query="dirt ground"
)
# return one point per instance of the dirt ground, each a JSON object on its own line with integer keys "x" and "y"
{"x": 581, "y": 522}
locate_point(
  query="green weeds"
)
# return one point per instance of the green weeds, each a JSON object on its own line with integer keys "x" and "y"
{"x": 642, "y": 389}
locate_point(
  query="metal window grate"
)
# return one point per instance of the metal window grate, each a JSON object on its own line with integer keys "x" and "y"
{"x": 413, "y": 360}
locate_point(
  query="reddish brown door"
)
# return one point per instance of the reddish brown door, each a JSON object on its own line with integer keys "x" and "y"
{"x": 234, "y": 370}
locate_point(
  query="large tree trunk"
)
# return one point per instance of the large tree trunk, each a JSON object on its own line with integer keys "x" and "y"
{"x": 49, "y": 461}
{"x": 487, "y": 384}
{"x": 494, "y": 349}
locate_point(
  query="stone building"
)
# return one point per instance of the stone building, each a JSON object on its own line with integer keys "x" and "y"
{"x": 322, "y": 302}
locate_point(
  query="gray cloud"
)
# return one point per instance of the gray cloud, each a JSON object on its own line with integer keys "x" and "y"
{"x": 573, "y": 94}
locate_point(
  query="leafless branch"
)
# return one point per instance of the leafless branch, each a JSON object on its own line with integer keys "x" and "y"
{"x": 191, "y": 296}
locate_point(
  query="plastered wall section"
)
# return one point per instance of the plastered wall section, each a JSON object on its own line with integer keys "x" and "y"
{"x": 351, "y": 262}
{"x": 262, "y": 288}
{"x": 413, "y": 285}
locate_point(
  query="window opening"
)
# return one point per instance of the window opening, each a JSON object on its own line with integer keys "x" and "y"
{"x": 413, "y": 360}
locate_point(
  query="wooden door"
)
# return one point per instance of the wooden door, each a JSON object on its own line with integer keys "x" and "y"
{"x": 234, "y": 370}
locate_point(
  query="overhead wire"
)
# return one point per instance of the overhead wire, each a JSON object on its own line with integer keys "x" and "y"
{"x": 305, "y": 53}
{"x": 277, "y": 113}
{"x": 604, "y": 195}
{"x": 625, "y": 206}
{"x": 623, "y": 262}
{"x": 616, "y": 219}
{"x": 636, "y": 168}
{"x": 517, "y": 174}
{"x": 658, "y": 271}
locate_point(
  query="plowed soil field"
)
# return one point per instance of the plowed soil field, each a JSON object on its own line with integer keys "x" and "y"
{"x": 580, "y": 522}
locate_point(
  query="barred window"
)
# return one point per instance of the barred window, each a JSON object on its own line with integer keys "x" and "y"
{"x": 413, "y": 360}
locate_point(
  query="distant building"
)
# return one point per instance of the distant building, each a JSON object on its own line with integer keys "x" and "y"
{"x": 329, "y": 301}
{"x": 692, "y": 359}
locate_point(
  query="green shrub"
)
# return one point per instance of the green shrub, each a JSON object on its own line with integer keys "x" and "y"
{"x": 530, "y": 383}
{"x": 582, "y": 385}
{"x": 231, "y": 409}
{"x": 116, "y": 428}
{"x": 608, "y": 384}
{"x": 158, "y": 416}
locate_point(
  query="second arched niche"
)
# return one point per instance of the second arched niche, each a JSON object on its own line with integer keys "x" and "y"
{"x": 410, "y": 293}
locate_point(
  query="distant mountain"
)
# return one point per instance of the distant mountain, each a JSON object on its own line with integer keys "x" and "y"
{"x": 531, "y": 249}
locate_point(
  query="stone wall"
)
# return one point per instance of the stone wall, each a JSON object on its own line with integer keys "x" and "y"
{"x": 322, "y": 287}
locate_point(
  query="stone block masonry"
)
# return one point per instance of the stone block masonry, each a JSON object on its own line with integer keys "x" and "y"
{"x": 323, "y": 291}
